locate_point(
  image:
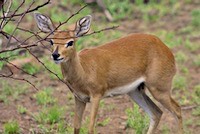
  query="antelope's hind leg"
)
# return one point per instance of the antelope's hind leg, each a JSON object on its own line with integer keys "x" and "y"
{"x": 154, "y": 112}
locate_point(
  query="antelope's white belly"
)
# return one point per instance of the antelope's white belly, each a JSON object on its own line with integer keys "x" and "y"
{"x": 124, "y": 89}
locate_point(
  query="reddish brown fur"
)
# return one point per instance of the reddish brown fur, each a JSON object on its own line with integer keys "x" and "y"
{"x": 94, "y": 71}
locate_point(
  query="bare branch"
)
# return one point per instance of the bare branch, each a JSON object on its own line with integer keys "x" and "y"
{"x": 29, "y": 11}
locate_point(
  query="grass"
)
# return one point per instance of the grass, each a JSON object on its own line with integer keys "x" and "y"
{"x": 196, "y": 95}
{"x": 191, "y": 46}
{"x": 45, "y": 97}
{"x": 165, "y": 129}
{"x": 197, "y": 60}
{"x": 119, "y": 11}
{"x": 50, "y": 115}
{"x": 104, "y": 122}
{"x": 21, "y": 109}
{"x": 179, "y": 82}
{"x": 196, "y": 18}
{"x": 11, "y": 90}
{"x": 31, "y": 69}
{"x": 196, "y": 111}
{"x": 5, "y": 55}
{"x": 169, "y": 38}
{"x": 181, "y": 57}
{"x": 97, "y": 39}
{"x": 136, "y": 120}
{"x": 11, "y": 127}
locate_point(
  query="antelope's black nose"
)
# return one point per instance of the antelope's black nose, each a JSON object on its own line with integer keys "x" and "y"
{"x": 55, "y": 56}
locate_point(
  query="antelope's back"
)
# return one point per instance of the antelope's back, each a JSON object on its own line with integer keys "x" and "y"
{"x": 127, "y": 59}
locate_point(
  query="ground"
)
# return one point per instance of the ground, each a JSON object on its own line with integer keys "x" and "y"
{"x": 31, "y": 109}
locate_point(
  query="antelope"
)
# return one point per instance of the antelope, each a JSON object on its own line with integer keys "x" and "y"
{"x": 129, "y": 65}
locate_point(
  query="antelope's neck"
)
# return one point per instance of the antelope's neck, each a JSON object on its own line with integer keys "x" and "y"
{"x": 72, "y": 70}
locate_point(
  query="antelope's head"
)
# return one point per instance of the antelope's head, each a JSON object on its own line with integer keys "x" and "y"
{"x": 63, "y": 42}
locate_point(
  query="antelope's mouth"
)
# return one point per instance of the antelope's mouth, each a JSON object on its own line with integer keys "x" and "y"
{"x": 58, "y": 61}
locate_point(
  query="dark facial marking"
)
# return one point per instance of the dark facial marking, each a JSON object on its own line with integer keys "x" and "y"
{"x": 51, "y": 42}
{"x": 70, "y": 43}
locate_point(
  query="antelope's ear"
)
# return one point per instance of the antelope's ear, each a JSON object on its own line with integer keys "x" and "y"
{"x": 44, "y": 23}
{"x": 83, "y": 26}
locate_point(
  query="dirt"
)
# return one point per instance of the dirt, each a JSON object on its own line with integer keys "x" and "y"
{"x": 114, "y": 108}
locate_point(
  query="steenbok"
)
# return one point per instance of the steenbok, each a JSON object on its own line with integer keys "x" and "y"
{"x": 129, "y": 65}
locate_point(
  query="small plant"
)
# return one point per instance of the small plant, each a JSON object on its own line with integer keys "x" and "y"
{"x": 30, "y": 68}
{"x": 165, "y": 129}
{"x": 196, "y": 95}
{"x": 104, "y": 122}
{"x": 196, "y": 18}
{"x": 196, "y": 111}
{"x": 179, "y": 82}
{"x": 191, "y": 46}
{"x": 3, "y": 98}
{"x": 61, "y": 127}
{"x": 197, "y": 60}
{"x": 170, "y": 38}
{"x": 13, "y": 90}
{"x": 51, "y": 115}
{"x": 181, "y": 57}
{"x": 11, "y": 127}
{"x": 45, "y": 97}
{"x": 84, "y": 128}
{"x": 21, "y": 109}
{"x": 119, "y": 9}
{"x": 136, "y": 120}
{"x": 184, "y": 69}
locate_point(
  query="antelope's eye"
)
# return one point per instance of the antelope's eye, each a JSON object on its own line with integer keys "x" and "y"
{"x": 51, "y": 42}
{"x": 70, "y": 43}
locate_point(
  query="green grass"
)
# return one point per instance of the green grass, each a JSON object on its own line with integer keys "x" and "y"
{"x": 179, "y": 82}
{"x": 11, "y": 90}
{"x": 104, "y": 122}
{"x": 50, "y": 115}
{"x": 165, "y": 129}
{"x": 97, "y": 39}
{"x": 184, "y": 69}
{"x": 196, "y": 95}
{"x": 45, "y": 97}
{"x": 196, "y": 111}
{"x": 136, "y": 120}
{"x": 119, "y": 9}
{"x": 11, "y": 127}
{"x": 21, "y": 109}
{"x": 196, "y": 18}
{"x": 31, "y": 69}
{"x": 191, "y": 46}
{"x": 197, "y": 60}
{"x": 169, "y": 38}
{"x": 181, "y": 57}
{"x": 12, "y": 56}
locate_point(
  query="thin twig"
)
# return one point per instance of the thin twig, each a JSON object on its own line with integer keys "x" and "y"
{"x": 29, "y": 11}
{"x": 19, "y": 21}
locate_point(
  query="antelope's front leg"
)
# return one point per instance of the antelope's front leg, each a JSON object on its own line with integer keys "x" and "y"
{"x": 94, "y": 109}
{"x": 79, "y": 109}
